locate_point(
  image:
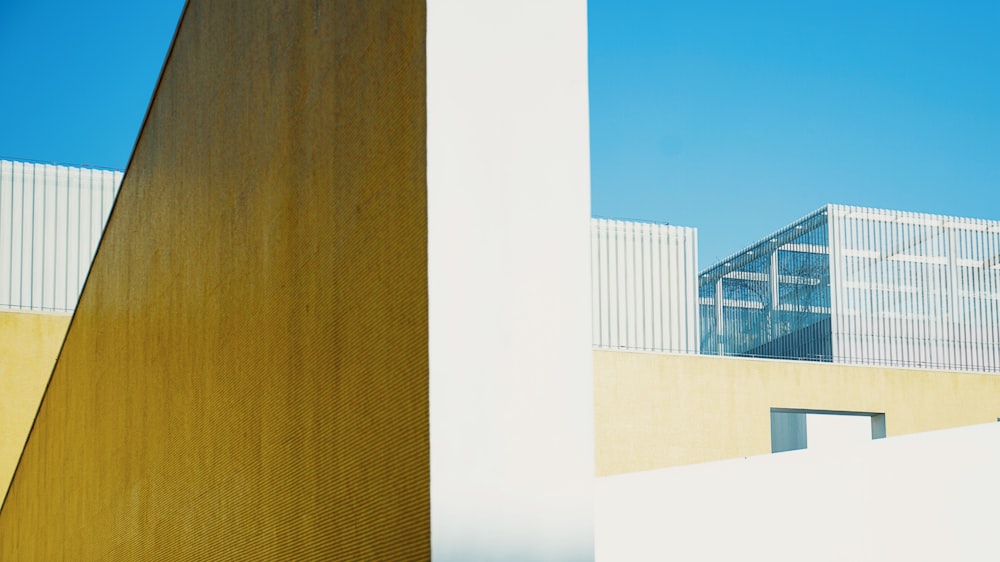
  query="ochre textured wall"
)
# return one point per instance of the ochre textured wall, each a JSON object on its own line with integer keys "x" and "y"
{"x": 658, "y": 410}
{"x": 29, "y": 343}
{"x": 246, "y": 375}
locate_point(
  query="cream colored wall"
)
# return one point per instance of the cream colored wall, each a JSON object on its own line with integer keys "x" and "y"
{"x": 659, "y": 410}
{"x": 29, "y": 343}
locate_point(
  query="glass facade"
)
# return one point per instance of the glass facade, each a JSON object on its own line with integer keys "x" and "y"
{"x": 864, "y": 286}
{"x": 773, "y": 298}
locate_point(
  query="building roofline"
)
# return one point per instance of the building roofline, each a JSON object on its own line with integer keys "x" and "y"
{"x": 764, "y": 245}
{"x": 7, "y": 160}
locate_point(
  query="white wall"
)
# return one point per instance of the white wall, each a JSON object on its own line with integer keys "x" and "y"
{"x": 511, "y": 407}
{"x": 928, "y": 496}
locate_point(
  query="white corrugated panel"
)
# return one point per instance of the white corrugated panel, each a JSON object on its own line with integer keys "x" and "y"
{"x": 51, "y": 220}
{"x": 644, "y": 286}
{"x": 915, "y": 289}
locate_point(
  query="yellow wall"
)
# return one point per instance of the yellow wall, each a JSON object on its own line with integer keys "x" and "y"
{"x": 246, "y": 375}
{"x": 659, "y": 410}
{"x": 29, "y": 343}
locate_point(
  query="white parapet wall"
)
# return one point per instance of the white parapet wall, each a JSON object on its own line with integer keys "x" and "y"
{"x": 511, "y": 387}
{"x": 927, "y": 496}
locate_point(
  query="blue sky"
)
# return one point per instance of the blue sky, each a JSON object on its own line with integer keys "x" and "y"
{"x": 738, "y": 117}
{"x": 76, "y": 76}
{"x": 733, "y": 117}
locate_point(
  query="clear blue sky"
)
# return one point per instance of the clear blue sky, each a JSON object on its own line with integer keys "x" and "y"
{"x": 733, "y": 117}
{"x": 737, "y": 117}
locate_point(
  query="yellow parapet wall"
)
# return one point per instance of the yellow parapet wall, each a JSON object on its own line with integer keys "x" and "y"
{"x": 246, "y": 375}
{"x": 659, "y": 410}
{"x": 29, "y": 343}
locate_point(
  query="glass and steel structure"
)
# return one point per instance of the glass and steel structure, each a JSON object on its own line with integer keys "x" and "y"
{"x": 862, "y": 286}
{"x": 644, "y": 286}
{"x": 773, "y": 298}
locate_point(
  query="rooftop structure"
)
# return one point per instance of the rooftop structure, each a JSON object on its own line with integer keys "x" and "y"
{"x": 644, "y": 286}
{"x": 51, "y": 219}
{"x": 861, "y": 286}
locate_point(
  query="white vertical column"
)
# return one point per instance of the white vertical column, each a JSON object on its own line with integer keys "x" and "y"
{"x": 596, "y": 286}
{"x": 677, "y": 301}
{"x": 644, "y": 286}
{"x": 988, "y": 319}
{"x": 693, "y": 318}
{"x": 511, "y": 399}
{"x": 772, "y": 278}
{"x": 620, "y": 338}
{"x": 838, "y": 300}
{"x": 989, "y": 296}
{"x": 6, "y": 223}
{"x": 658, "y": 240}
{"x": 720, "y": 328}
{"x": 631, "y": 281}
{"x": 607, "y": 278}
